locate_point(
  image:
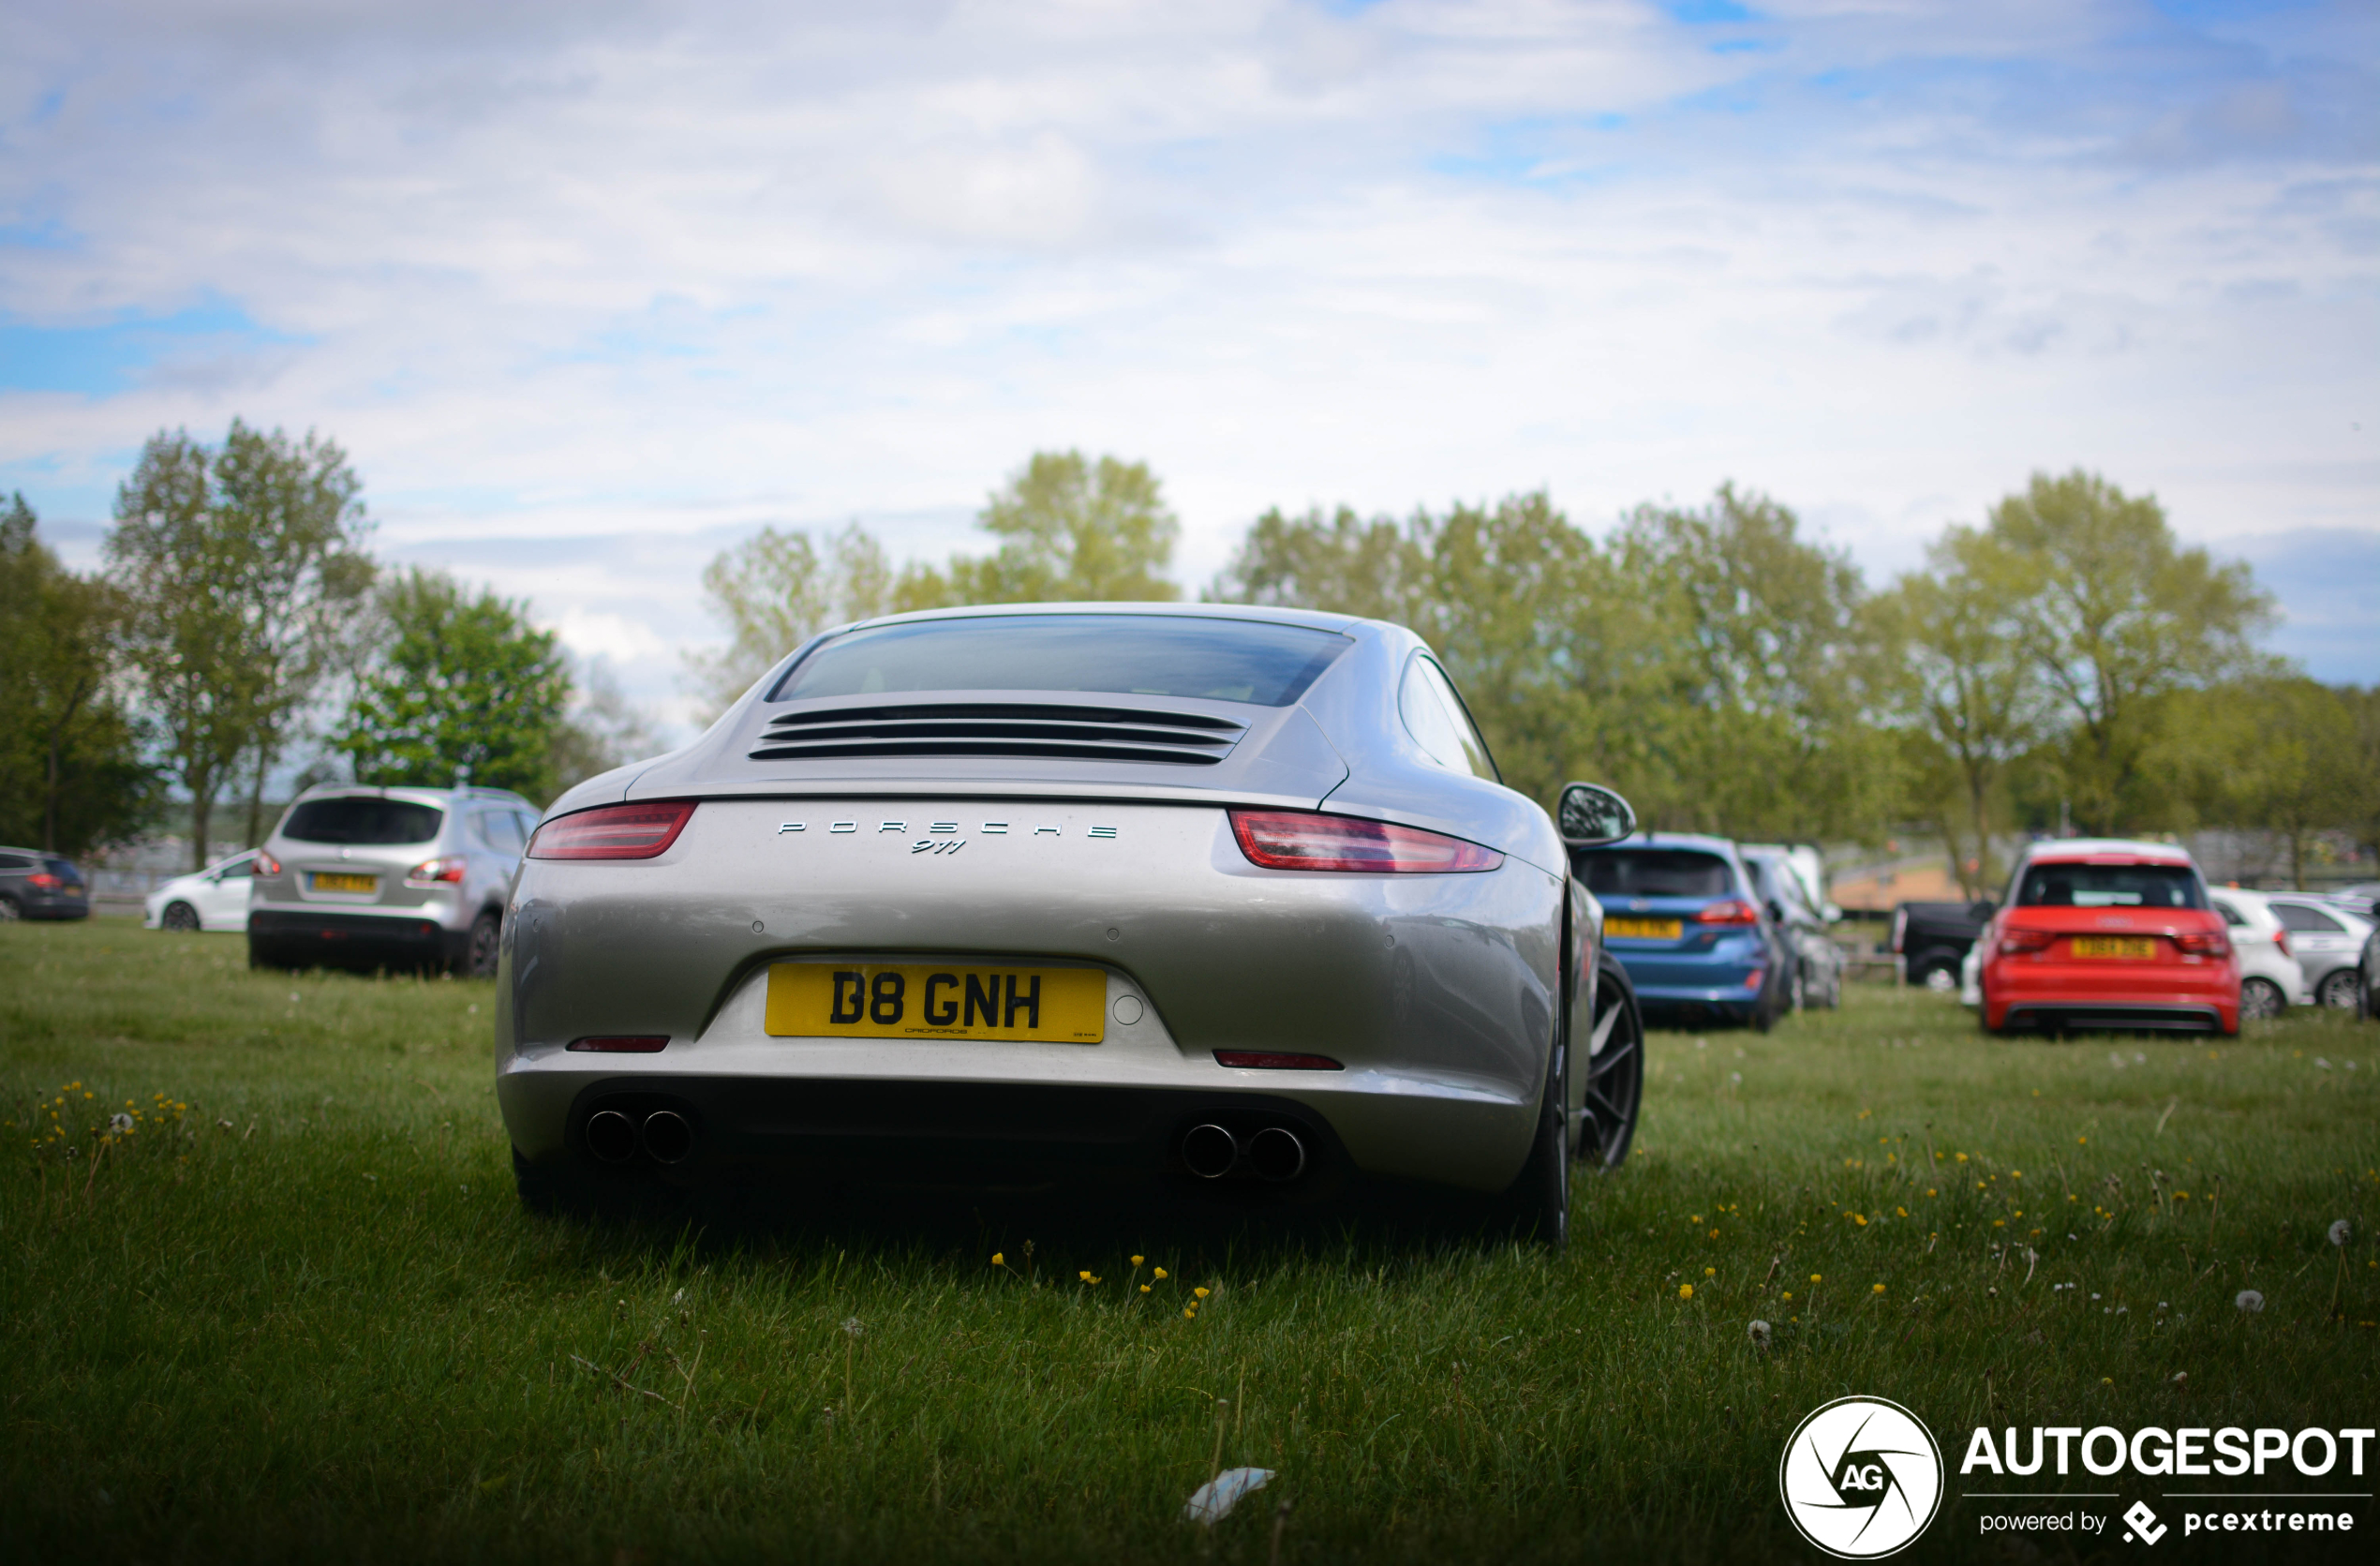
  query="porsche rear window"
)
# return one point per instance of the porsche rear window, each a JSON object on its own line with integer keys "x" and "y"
{"x": 1143, "y": 655}
{"x": 2079, "y": 885}
{"x": 1654, "y": 873}
{"x": 362, "y": 821}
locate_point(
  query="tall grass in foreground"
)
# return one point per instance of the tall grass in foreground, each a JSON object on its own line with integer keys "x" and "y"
{"x": 306, "y": 1319}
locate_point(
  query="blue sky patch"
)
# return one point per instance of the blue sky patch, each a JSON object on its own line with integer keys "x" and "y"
{"x": 98, "y": 361}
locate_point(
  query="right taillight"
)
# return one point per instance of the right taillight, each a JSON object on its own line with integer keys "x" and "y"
{"x": 2210, "y": 943}
{"x": 2018, "y": 941}
{"x": 1734, "y": 910}
{"x": 637, "y": 831}
{"x": 2281, "y": 939}
{"x": 1307, "y": 840}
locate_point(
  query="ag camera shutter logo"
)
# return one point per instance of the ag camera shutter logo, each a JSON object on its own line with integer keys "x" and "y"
{"x": 1861, "y": 1478}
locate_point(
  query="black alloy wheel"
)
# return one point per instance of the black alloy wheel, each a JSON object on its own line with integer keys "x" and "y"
{"x": 2260, "y": 1000}
{"x": 1614, "y": 1064}
{"x": 480, "y": 951}
{"x": 179, "y": 916}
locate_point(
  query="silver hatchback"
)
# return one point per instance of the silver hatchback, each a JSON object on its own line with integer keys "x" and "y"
{"x": 388, "y": 877}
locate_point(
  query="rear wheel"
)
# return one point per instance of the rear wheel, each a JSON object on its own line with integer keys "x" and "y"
{"x": 1537, "y": 1204}
{"x": 2260, "y": 1000}
{"x": 10, "y": 910}
{"x": 477, "y": 959}
{"x": 2338, "y": 988}
{"x": 179, "y": 916}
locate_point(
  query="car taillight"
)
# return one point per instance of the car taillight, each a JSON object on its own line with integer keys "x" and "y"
{"x": 44, "y": 880}
{"x": 266, "y": 864}
{"x": 1734, "y": 910}
{"x": 2204, "y": 943}
{"x": 1306, "y": 840}
{"x": 2281, "y": 939}
{"x": 429, "y": 873}
{"x": 636, "y": 831}
{"x": 2017, "y": 941}
{"x": 619, "y": 1045}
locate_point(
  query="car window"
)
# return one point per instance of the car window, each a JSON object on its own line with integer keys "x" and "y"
{"x": 528, "y": 824}
{"x": 63, "y": 870}
{"x": 15, "y": 861}
{"x": 2313, "y": 921}
{"x": 499, "y": 830}
{"x": 1654, "y": 873}
{"x": 362, "y": 820}
{"x": 1146, "y": 655}
{"x": 236, "y": 871}
{"x": 1435, "y": 717}
{"x": 2088, "y": 886}
{"x": 2230, "y": 915}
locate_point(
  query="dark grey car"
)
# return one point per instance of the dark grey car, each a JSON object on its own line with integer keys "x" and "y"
{"x": 39, "y": 885}
{"x": 1817, "y": 978}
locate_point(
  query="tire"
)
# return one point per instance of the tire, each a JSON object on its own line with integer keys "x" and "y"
{"x": 1615, "y": 1074}
{"x": 10, "y": 911}
{"x": 178, "y": 916}
{"x": 1800, "y": 995}
{"x": 478, "y": 957}
{"x": 2338, "y": 988}
{"x": 2260, "y": 1000}
{"x": 1537, "y": 1205}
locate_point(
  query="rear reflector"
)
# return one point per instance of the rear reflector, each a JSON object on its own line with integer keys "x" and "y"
{"x": 1264, "y": 1060}
{"x": 637, "y": 831}
{"x": 1306, "y": 840}
{"x": 623, "y": 1046}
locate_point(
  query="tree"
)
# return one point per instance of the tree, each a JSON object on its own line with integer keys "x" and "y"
{"x": 1072, "y": 531}
{"x": 776, "y": 590}
{"x": 2275, "y": 753}
{"x": 603, "y": 730}
{"x": 2117, "y": 616}
{"x": 1969, "y": 688}
{"x": 465, "y": 689}
{"x": 243, "y": 567}
{"x": 1343, "y": 565}
{"x": 70, "y": 769}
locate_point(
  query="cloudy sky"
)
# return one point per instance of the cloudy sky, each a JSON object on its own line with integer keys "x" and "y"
{"x": 591, "y": 289}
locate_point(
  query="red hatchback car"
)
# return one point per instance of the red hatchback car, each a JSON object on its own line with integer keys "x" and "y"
{"x": 2104, "y": 934}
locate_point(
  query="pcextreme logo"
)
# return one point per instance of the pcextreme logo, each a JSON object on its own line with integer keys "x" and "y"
{"x": 1861, "y": 1478}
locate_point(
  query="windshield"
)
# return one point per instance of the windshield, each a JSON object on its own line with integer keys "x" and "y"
{"x": 1654, "y": 873}
{"x": 1145, "y": 655}
{"x": 2076, "y": 886}
{"x": 366, "y": 820}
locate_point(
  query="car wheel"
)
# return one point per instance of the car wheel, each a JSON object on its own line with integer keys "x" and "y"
{"x": 1801, "y": 989}
{"x": 1942, "y": 979}
{"x": 2260, "y": 1000}
{"x": 178, "y": 916}
{"x": 1615, "y": 1074}
{"x": 10, "y": 910}
{"x": 1537, "y": 1205}
{"x": 2338, "y": 988}
{"x": 480, "y": 951}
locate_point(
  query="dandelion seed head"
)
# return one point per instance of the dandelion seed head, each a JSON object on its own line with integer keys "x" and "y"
{"x": 1758, "y": 1332}
{"x": 2250, "y": 1300}
{"x": 2341, "y": 1232}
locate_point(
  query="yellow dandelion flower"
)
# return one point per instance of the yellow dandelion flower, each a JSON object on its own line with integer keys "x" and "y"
{"x": 1188, "y": 1314}
{"x": 1144, "y": 1289}
{"x": 1086, "y": 1276}
{"x": 1137, "y": 1260}
{"x": 1962, "y": 1157}
{"x": 1160, "y": 1271}
{"x": 1815, "y": 1278}
{"x": 1200, "y": 1293}
{"x": 1860, "y": 1218}
{"x": 1879, "y": 1288}
{"x": 999, "y": 1259}
{"x": 1788, "y": 1294}
{"x": 1684, "y": 1291}
{"x": 1900, "y": 1211}
{"x": 1710, "y": 1272}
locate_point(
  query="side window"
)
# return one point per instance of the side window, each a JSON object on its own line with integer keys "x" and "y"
{"x": 2298, "y": 916}
{"x": 1435, "y": 717}
{"x": 528, "y": 824}
{"x": 15, "y": 861}
{"x": 499, "y": 830}
{"x": 241, "y": 872}
{"x": 2230, "y": 915}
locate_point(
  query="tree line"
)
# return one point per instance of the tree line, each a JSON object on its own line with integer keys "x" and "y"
{"x": 2063, "y": 663}
{"x": 239, "y": 614}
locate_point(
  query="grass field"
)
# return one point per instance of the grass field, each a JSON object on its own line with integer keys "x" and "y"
{"x": 297, "y": 1313}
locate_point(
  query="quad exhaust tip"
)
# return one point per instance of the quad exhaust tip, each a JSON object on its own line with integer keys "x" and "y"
{"x": 667, "y": 1137}
{"x": 611, "y": 1136}
{"x": 1275, "y": 1152}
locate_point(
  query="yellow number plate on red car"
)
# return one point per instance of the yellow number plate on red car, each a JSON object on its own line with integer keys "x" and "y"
{"x": 1046, "y": 1005}
{"x": 1644, "y": 929}
{"x": 326, "y": 882}
{"x": 2115, "y": 945}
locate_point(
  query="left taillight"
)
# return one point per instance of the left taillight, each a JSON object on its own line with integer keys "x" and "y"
{"x": 430, "y": 873}
{"x": 637, "y": 831}
{"x": 266, "y": 864}
{"x": 1308, "y": 840}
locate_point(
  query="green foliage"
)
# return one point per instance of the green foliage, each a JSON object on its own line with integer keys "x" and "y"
{"x": 71, "y": 776}
{"x": 245, "y": 573}
{"x": 1071, "y": 530}
{"x": 2274, "y": 752}
{"x": 2117, "y": 616}
{"x": 776, "y": 590}
{"x": 464, "y": 682}
{"x": 328, "y": 1330}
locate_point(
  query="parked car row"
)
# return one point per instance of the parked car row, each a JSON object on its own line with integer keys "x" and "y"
{"x": 39, "y": 885}
{"x": 1707, "y": 928}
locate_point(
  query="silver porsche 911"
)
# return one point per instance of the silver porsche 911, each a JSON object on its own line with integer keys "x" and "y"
{"x": 1133, "y": 901}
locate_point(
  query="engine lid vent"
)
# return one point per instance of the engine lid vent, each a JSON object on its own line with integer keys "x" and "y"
{"x": 1001, "y": 729}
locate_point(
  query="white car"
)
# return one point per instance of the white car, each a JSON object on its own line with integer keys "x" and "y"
{"x": 2327, "y": 940}
{"x": 2271, "y": 977}
{"x": 215, "y": 898}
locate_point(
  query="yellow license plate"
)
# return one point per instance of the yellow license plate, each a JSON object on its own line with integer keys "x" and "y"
{"x": 326, "y": 882}
{"x": 1046, "y": 1006}
{"x": 2115, "y": 945}
{"x": 1644, "y": 929}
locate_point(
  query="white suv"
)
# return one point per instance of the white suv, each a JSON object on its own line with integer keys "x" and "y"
{"x": 385, "y": 877}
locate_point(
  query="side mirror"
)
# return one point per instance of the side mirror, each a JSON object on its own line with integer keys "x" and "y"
{"x": 1982, "y": 911}
{"x": 1591, "y": 815}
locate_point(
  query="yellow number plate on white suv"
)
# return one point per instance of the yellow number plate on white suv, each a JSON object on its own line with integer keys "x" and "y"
{"x": 1048, "y": 1005}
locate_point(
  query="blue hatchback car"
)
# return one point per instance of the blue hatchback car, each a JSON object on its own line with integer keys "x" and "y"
{"x": 1681, "y": 915}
